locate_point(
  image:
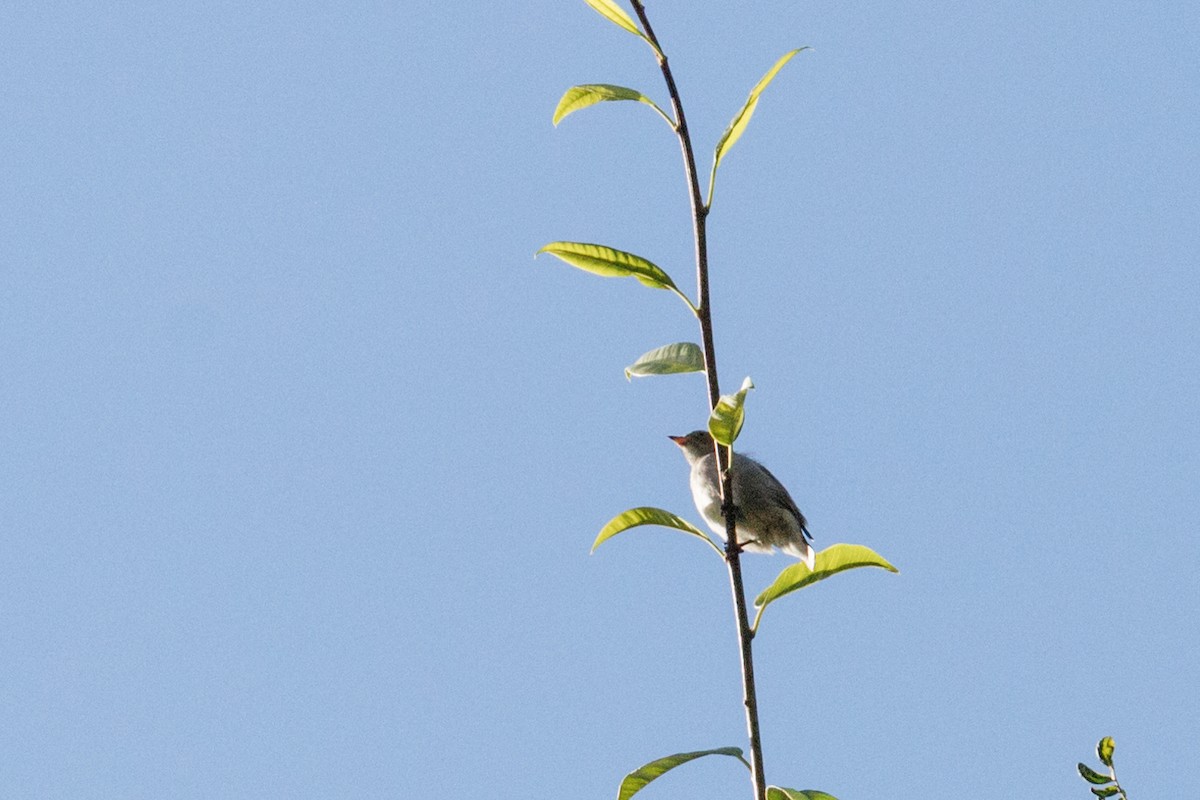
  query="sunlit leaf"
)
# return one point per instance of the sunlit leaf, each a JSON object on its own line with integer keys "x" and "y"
{"x": 1104, "y": 749}
{"x": 737, "y": 125}
{"x": 669, "y": 359}
{"x": 1091, "y": 776}
{"x": 830, "y": 561}
{"x": 725, "y": 422}
{"x": 588, "y": 94}
{"x": 615, "y": 14}
{"x": 647, "y": 515}
{"x": 609, "y": 262}
{"x": 1105, "y": 791}
{"x": 612, "y": 263}
{"x": 780, "y": 793}
{"x": 636, "y": 780}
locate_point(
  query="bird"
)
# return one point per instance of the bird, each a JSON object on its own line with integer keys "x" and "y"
{"x": 767, "y": 517}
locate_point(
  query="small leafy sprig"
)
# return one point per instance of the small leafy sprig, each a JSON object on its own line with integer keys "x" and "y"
{"x": 1103, "y": 785}
{"x": 727, "y": 411}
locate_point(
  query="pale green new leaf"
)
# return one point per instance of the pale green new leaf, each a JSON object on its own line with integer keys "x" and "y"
{"x": 669, "y": 359}
{"x": 1104, "y": 749}
{"x": 830, "y": 561}
{"x": 635, "y": 781}
{"x": 737, "y": 125}
{"x": 614, "y": 14}
{"x": 588, "y": 94}
{"x": 611, "y": 263}
{"x": 725, "y": 422}
{"x": 647, "y": 515}
{"x": 780, "y": 793}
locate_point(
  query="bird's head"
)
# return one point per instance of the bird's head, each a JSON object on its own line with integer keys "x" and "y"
{"x": 696, "y": 444}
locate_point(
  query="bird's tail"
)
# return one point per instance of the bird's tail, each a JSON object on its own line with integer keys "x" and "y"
{"x": 801, "y": 550}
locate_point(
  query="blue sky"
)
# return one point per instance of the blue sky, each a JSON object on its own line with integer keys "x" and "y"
{"x": 302, "y": 452}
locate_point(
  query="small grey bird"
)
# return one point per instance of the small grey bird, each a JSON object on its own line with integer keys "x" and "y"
{"x": 767, "y": 515}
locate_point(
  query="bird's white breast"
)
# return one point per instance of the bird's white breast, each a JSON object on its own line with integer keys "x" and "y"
{"x": 707, "y": 496}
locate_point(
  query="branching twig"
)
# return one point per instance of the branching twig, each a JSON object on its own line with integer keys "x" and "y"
{"x": 724, "y": 454}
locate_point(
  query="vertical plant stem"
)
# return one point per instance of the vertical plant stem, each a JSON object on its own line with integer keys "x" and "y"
{"x": 723, "y": 454}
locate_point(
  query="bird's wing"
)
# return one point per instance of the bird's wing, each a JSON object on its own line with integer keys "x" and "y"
{"x": 778, "y": 493}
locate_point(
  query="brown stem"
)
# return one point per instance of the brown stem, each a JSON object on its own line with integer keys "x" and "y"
{"x": 723, "y": 454}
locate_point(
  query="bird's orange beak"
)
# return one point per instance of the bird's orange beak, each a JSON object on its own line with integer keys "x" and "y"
{"x": 679, "y": 440}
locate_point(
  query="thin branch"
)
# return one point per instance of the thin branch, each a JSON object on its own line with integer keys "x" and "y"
{"x": 723, "y": 454}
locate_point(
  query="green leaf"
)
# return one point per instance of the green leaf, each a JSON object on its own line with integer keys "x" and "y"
{"x": 588, "y": 94}
{"x": 725, "y": 422}
{"x": 635, "y": 781}
{"x": 615, "y": 14}
{"x": 737, "y": 125}
{"x": 611, "y": 263}
{"x": 780, "y": 793}
{"x": 1106, "y": 791}
{"x": 1091, "y": 776}
{"x": 647, "y": 515}
{"x": 670, "y": 359}
{"x": 830, "y": 561}
{"x": 1104, "y": 749}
